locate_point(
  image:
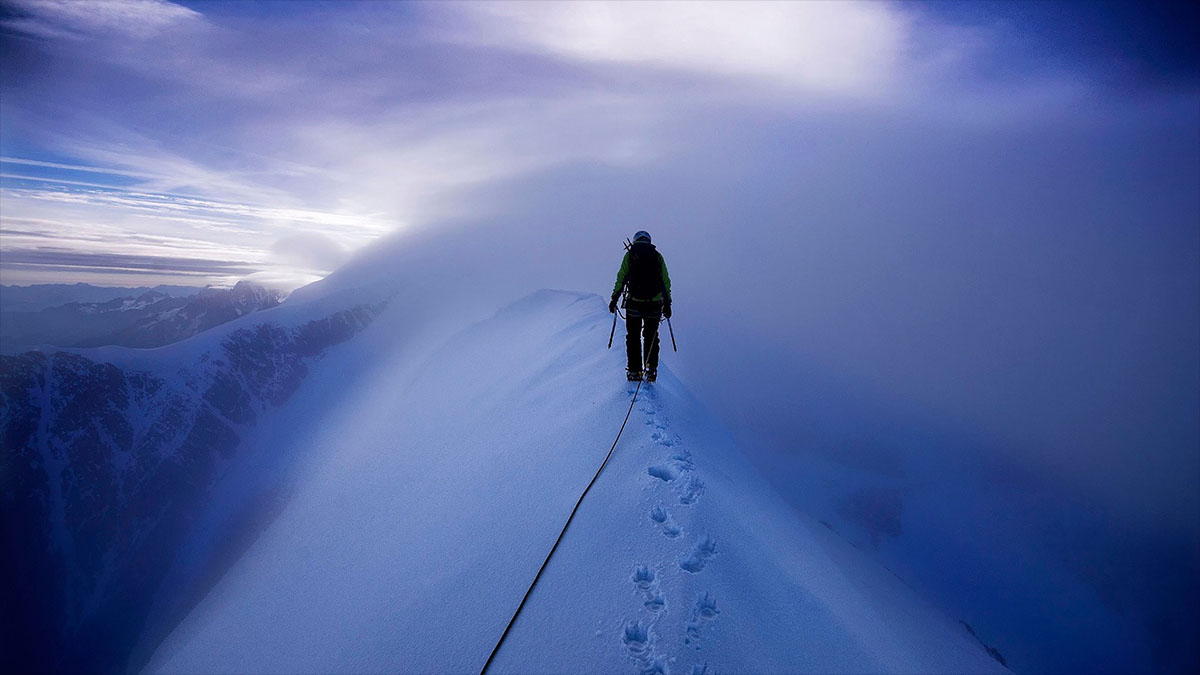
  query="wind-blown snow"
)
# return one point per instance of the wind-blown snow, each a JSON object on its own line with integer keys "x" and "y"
{"x": 430, "y": 500}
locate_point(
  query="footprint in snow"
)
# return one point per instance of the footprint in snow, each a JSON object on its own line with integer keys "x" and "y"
{"x": 638, "y": 642}
{"x": 704, "y": 550}
{"x": 706, "y": 606}
{"x": 704, "y": 612}
{"x": 636, "y": 639}
{"x": 655, "y": 603}
{"x": 683, "y": 460}
{"x": 643, "y": 578}
{"x": 663, "y": 473}
{"x": 692, "y": 491}
{"x": 659, "y": 515}
{"x": 644, "y": 581}
{"x": 659, "y": 427}
{"x": 701, "y": 669}
{"x": 662, "y": 438}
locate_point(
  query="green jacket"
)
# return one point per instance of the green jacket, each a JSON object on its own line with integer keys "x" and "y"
{"x": 623, "y": 274}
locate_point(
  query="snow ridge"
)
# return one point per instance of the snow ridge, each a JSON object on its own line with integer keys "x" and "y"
{"x": 677, "y": 486}
{"x": 413, "y": 536}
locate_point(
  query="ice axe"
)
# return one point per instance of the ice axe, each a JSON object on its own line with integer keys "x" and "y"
{"x": 672, "y": 332}
{"x": 613, "y": 332}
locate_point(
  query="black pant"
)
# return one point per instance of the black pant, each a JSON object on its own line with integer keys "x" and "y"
{"x": 642, "y": 316}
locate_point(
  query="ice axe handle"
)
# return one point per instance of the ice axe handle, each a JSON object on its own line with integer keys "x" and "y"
{"x": 612, "y": 332}
{"x": 672, "y": 331}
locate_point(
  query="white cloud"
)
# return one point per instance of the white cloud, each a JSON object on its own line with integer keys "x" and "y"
{"x": 73, "y": 18}
{"x": 104, "y": 220}
{"x": 294, "y": 145}
{"x": 828, "y": 47}
{"x": 70, "y": 167}
{"x": 310, "y": 250}
{"x": 286, "y": 280}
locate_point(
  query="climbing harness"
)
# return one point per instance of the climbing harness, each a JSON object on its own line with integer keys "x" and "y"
{"x": 545, "y": 562}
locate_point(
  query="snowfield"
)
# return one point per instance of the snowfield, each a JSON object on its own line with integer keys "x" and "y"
{"x": 424, "y": 505}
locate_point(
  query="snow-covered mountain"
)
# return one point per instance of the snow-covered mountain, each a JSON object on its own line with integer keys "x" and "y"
{"x": 367, "y": 477}
{"x": 151, "y": 319}
{"x": 37, "y": 297}
{"x": 110, "y": 457}
{"x": 432, "y": 493}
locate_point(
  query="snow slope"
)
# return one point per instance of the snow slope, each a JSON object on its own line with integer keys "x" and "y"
{"x": 428, "y": 500}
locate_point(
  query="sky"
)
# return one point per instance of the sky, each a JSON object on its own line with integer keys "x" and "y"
{"x": 207, "y": 142}
{"x": 979, "y": 217}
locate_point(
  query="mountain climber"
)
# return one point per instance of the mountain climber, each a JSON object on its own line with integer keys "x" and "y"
{"x": 647, "y": 301}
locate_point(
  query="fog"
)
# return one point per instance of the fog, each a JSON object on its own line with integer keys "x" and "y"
{"x": 1011, "y": 304}
{"x": 1036, "y": 286}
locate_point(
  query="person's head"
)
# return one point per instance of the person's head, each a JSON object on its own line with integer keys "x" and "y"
{"x": 642, "y": 235}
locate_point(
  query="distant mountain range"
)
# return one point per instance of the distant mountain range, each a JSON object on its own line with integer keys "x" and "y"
{"x": 152, "y": 318}
{"x": 43, "y": 296}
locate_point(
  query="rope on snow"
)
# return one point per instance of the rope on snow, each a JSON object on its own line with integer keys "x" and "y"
{"x": 567, "y": 524}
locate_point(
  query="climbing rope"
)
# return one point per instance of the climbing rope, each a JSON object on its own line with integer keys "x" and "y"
{"x": 545, "y": 562}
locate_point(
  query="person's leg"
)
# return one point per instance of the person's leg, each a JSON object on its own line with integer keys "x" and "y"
{"x": 633, "y": 342}
{"x": 650, "y": 339}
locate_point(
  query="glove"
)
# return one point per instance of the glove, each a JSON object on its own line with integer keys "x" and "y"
{"x": 612, "y": 306}
{"x": 667, "y": 310}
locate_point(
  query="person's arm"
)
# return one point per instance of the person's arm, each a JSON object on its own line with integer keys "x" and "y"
{"x": 666, "y": 279}
{"x": 621, "y": 275}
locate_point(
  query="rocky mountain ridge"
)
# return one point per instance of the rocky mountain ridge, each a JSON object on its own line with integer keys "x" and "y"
{"x": 151, "y": 319}
{"x": 36, "y": 297}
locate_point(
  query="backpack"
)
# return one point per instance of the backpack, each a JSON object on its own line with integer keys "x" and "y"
{"x": 645, "y": 271}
